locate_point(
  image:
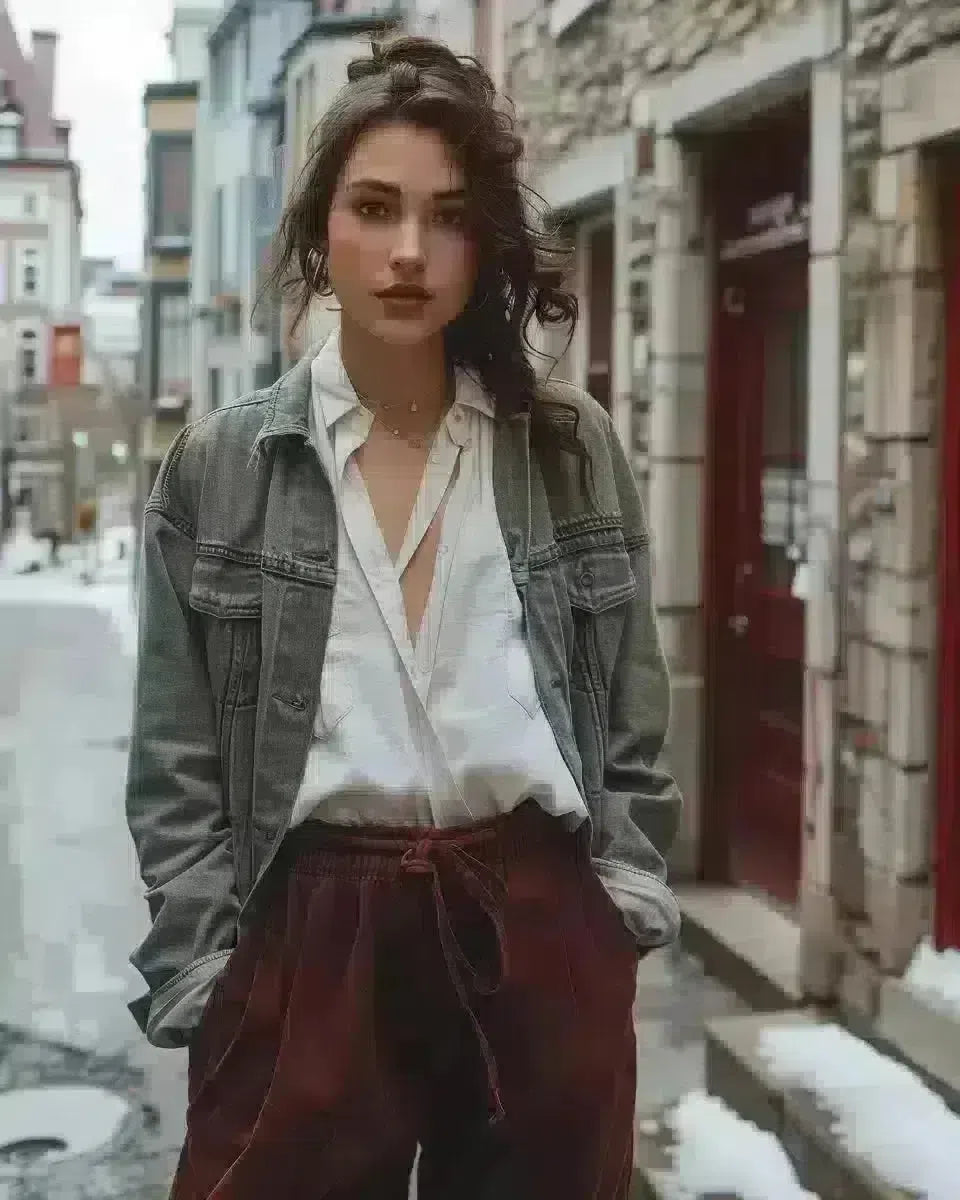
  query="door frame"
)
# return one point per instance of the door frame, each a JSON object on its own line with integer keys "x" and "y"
{"x": 947, "y": 880}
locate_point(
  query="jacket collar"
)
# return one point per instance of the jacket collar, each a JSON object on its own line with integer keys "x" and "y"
{"x": 288, "y": 411}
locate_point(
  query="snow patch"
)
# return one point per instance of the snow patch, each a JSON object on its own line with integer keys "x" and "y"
{"x": 716, "y": 1152}
{"x": 84, "y": 1118}
{"x": 882, "y": 1112}
{"x": 113, "y": 597}
{"x": 23, "y": 552}
{"x": 116, "y": 543}
{"x": 935, "y": 978}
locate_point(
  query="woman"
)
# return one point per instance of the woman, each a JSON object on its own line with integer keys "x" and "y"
{"x": 392, "y": 778}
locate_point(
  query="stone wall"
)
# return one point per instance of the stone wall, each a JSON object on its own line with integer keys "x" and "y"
{"x": 580, "y": 85}
{"x": 871, "y": 658}
{"x": 894, "y": 328}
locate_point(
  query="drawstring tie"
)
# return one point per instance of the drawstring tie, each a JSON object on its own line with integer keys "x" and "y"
{"x": 486, "y": 887}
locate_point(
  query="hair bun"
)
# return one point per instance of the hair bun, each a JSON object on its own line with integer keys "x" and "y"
{"x": 405, "y": 77}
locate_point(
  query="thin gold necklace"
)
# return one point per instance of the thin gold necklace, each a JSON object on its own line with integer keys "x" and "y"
{"x": 417, "y": 441}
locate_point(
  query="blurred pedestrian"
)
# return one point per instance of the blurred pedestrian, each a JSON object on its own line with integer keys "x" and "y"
{"x": 400, "y": 699}
{"x": 86, "y": 523}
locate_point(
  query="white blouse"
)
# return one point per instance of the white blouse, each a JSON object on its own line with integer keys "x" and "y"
{"x": 447, "y": 729}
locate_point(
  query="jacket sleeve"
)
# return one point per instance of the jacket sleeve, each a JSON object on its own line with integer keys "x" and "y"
{"x": 639, "y": 794}
{"x": 174, "y": 799}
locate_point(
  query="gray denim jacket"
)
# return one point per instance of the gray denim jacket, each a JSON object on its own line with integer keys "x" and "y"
{"x": 238, "y": 568}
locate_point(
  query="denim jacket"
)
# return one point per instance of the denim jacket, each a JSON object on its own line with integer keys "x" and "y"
{"x": 238, "y": 569}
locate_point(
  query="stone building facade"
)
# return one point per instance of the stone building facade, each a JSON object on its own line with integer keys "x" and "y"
{"x": 642, "y": 114}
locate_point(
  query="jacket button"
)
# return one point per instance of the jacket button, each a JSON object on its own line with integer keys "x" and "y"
{"x": 586, "y": 579}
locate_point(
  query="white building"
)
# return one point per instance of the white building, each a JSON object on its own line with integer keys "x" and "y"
{"x": 111, "y": 328}
{"x": 236, "y": 196}
{"x": 39, "y": 269}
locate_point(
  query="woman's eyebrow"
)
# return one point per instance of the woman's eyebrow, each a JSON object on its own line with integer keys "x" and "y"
{"x": 391, "y": 189}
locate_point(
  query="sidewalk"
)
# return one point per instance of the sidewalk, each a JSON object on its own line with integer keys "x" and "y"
{"x": 675, "y": 999}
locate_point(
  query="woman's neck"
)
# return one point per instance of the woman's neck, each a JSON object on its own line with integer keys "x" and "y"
{"x": 398, "y": 378}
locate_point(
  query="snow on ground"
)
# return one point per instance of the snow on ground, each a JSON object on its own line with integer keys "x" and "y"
{"x": 110, "y": 591}
{"x": 882, "y": 1112}
{"x": 85, "y": 1118}
{"x": 23, "y": 552}
{"x": 935, "y": 978}
{"x": 717, "y": 1152}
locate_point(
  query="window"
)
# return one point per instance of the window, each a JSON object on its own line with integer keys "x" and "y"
{"x": 215, "y": 398}
{"x": 216, "y": 243}
{"x": 221, "y": 82}
{"x": 29, "y": 272}
{"x": 32, "y": 428}
{"x": 173, "y": 189}
{"x": 242, "y": 226}
{"x": 173, "y": 346}
{"x": 11, "y": 133}
{"x": 30, "y": 283}
{"x": 28, "y": 356}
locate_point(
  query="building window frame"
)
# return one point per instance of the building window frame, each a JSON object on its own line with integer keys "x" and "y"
{"x": 221, "y": 78}
{"x": 162, "y": 355}
{"x": 161, "y": 237}
{"x": 31, "y": 273}
{"x": 28, "y": 357}
{"x": 11, "y": 133}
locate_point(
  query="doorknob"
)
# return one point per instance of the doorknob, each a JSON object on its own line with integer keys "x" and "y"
{"x": 739, "y": 624}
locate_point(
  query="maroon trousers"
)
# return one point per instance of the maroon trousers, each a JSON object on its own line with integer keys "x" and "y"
{"x": 469, "y": 991}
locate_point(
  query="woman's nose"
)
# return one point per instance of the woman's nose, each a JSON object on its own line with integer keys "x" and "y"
{"x": 408, "y": 247}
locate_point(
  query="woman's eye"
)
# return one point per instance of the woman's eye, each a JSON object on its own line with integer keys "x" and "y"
{"x": 372, "y": 210}
{"x": 453, "y": 218}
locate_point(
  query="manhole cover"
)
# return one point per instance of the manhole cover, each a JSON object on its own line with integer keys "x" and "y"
{"x": 51, "y": 1123}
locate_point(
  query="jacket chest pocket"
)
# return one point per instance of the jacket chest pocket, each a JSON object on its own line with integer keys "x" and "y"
{"x": 229, "y": 597}
{"x": 599, "y": 584}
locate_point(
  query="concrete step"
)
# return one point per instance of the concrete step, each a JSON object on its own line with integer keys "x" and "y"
{"x": 745, "y": 943}
{"x": 739, "y": 1075}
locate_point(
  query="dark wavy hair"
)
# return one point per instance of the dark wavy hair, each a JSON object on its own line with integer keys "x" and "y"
{"x": 521, "y": 265}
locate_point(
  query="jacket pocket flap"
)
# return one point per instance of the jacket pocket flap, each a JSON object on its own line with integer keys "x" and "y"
{"x": 600, "y": 579}
{"x": 221, "y": 587}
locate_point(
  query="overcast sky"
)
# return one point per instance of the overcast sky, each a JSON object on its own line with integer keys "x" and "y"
{"x": 109, "y": 50}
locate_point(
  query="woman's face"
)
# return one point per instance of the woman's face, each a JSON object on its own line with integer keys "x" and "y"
{"x": 397, "y": 223}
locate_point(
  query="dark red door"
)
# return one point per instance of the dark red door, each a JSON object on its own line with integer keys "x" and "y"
{"x": 758, "y": 532}
{"x": 947, "y": 919}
